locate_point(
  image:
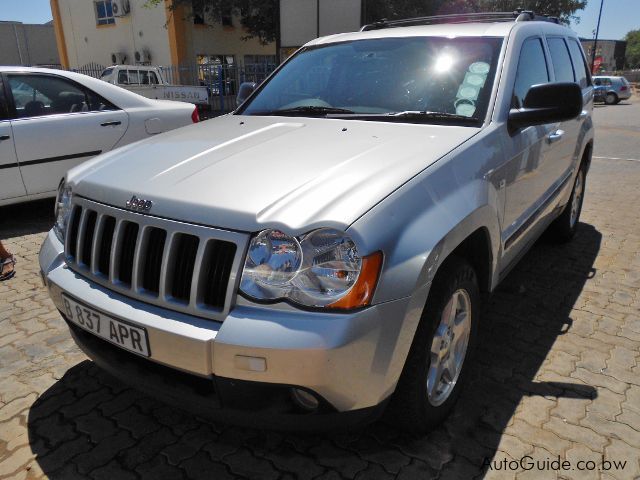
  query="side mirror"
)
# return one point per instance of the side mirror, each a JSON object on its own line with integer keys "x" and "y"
{"x": 547, "y": 103}
{"x": 246, "y": 89}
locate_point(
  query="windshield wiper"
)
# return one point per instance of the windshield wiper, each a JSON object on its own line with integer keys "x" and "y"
{"x": 412, "y": 116}
{"x": 307, "y": 110}
{"x": 429, "y": 115}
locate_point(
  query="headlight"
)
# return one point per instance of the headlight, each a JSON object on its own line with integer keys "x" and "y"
{"x": 320, "y": 269}
{"x": 62, "y": 210}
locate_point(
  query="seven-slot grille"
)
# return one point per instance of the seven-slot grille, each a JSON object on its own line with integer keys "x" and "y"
{"x": 183, "y": 267}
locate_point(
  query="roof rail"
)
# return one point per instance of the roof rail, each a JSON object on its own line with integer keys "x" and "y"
{"x": 518, "y": 15}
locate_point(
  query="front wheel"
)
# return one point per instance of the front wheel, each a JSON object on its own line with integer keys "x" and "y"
{"x": 438, "y": 361}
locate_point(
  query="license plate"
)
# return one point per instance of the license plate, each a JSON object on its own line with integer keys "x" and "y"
{"x": 115, "y": 331}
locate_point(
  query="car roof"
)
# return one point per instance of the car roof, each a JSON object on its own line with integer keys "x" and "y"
{"x": 118, "y": 96}
{"x": 449, "y": 30}
{"x": 136, "y": 67}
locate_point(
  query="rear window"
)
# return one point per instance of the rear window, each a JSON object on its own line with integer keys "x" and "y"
{"x": 561, "y": 60}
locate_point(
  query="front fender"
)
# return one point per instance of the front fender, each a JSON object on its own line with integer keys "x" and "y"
{"x": 421, "y": 223}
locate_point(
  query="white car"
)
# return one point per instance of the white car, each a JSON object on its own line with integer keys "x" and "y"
{"x": 51, "y": 120}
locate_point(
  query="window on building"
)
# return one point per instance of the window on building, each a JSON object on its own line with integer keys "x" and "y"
{"x": 259, "y": 59}
{"x": 532, "y": 70}
{"x": 198, "y": 13}
{"x": 227, "y": 17}
{"x": 104, "y": 12}
{"x": 257, "y": 67}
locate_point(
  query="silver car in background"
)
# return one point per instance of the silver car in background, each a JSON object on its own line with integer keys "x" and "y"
{"x": 611, "y": 90}
{"x": 321, "y": 253}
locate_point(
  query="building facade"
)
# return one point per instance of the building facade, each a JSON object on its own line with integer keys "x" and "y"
{"x": 28, "y": 44}
{"x": 610, "y": 54}
{"x": 106, "y": 32}
{"x": 304, "y": 20}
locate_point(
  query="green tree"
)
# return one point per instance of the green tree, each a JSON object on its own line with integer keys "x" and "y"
{"x": 563, "y": 9}
{"x": 632, "y": 56}
{"x": 260, "y": 17}
{"x": 377, "y": 9}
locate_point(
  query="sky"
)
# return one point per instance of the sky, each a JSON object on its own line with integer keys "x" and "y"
{"x": 618, "y": 16}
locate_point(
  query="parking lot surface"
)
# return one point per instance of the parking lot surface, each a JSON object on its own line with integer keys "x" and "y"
{"x": 557, "y": 372}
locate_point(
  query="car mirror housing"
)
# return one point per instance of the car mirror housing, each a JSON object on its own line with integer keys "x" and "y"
{"x": 547, "y": 103}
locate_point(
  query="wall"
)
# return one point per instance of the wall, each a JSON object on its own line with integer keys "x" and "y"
{"x": 215, "y": 39}
{"x": 304, "y": 20}
{"x": 152, "y": 29}
{"x": 27, "y": 44}
{"x": 611, "y": 51}
{"x": 86, "y": 42}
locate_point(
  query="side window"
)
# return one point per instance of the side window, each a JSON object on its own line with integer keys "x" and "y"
{"x": 597, "y": 82}
{"x": 134, "y": 77}
{"x": 4, "y": 113}
{"x": 147, "y": 77}
{"x": 42, "y": 95}
{"x": 123, "y": 77}
{"x": 106, "y": 73}
{"x": 532, "y": 70}
{"x": 579, "y": 63}
{"x": 561, "y": 60}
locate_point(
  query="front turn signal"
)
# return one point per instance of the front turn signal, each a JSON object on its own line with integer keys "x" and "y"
{"x": 362, "y": 292}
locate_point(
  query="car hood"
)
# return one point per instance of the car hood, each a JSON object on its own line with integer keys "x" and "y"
{"x": 246, "y": 173}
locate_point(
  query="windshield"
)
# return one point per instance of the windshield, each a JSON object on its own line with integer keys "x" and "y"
{"x": 438, "y": 77}
{"x": 106, "y": 72}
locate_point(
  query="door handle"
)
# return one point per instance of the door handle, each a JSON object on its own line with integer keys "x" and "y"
{"x": 555, "y": 136}
{"x": 111, "y": 124}
{"x": 4, "y": 137}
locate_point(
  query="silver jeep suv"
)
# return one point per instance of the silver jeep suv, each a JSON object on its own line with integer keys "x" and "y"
{"x": 322, "y": 252}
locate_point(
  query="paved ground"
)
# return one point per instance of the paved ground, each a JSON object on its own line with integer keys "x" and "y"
{"x": 558, "y": 372}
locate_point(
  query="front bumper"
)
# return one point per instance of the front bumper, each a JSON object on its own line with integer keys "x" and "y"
{"x": 352, "y": 361}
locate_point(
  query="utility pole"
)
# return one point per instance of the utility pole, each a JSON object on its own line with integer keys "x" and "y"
{"x": 595, "y": 42}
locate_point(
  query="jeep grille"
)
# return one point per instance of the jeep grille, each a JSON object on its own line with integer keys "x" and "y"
{"x": 183, "y": 267}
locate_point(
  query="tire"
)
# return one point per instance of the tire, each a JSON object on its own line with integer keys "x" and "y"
{"x": 611, "y": 98}
{"x": 564, "y": 227}
{"x": 419, "y": 404}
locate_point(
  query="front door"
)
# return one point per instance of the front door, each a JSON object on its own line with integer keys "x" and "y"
{"x": 530, "y": 152}
{"x": 11, "y": 185}
{"x": 57, "y": 124}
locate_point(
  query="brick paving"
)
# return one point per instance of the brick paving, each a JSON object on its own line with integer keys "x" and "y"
{"x": 557, "y": 373}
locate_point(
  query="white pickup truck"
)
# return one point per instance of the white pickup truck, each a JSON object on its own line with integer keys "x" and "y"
{"x": 149, "y": 82}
